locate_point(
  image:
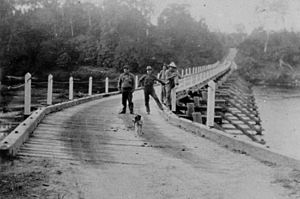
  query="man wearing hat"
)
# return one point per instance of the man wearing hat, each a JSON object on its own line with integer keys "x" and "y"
{"x": 172, "y": 81}
{"x": 148, "y": 81}
{"x": 162, "y": 76}
{"x": 126, "y": 85}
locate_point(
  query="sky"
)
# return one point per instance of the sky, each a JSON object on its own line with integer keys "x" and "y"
{"x": 225, "y": 15}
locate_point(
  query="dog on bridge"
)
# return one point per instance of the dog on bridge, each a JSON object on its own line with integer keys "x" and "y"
{"x": 138, "y": 124}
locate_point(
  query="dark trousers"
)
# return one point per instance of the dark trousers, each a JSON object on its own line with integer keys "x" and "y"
{"x": 127, "y": 96}
{"x": 163, "y": 94}
{"x": 147, "y": 93}
{"x": 168, "y": 95}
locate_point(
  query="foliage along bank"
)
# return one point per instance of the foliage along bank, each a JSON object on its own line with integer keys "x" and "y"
{"x": 61, "y": 37}
{"x": 270, "y": 57}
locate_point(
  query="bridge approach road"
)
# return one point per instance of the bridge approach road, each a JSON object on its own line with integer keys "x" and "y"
{"x": 101, "y": 157}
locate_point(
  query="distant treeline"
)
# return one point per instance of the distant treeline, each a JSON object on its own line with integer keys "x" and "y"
{"x": 39, "y": 36}
{"x": 270, "y": 57}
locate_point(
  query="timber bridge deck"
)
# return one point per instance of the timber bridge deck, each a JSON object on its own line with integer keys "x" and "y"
{"x": 95, "y": 148}
{"x": 208, "y": 95}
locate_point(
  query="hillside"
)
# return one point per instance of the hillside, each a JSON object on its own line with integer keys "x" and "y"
{"x": 270, "y": 58}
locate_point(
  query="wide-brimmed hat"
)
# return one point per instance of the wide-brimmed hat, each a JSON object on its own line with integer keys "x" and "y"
{"x": 125, "y": 67}
{"x": 172, "y": 64}
{"x": 148, "y": 68}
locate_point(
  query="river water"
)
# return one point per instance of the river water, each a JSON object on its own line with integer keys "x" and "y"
{"x": 279, "y": 109}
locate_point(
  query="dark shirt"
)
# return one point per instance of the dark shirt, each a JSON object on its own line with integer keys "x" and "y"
{"x": 149, "y": 80}
{"x": 126, "y": 80}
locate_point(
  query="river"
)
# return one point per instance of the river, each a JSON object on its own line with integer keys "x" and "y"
{"x": 279, "y": 109}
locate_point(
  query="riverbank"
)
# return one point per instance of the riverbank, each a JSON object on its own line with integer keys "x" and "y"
{"x": 270, "y": 74}
{"x": 279, "y": 111}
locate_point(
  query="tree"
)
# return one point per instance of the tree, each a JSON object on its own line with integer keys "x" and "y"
{"x": 185, "y": 40}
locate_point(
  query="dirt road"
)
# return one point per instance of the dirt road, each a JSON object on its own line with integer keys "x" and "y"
{"x": 91, "y": 152}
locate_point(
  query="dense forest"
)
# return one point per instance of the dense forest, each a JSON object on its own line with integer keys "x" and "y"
{"x": 84, "y": 38}
{"x": 270, "y": 57}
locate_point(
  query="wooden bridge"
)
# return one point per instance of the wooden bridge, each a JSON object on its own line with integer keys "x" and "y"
{"x": 171, "y": 159}
{"x": 196, "y": 77}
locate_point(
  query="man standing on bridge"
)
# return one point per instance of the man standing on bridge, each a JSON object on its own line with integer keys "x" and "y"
{"x": 126, "y": 85}
{"x": 172, "y": 77}
{"x": 162, "y": 76}
{"x": 148, "y": 81}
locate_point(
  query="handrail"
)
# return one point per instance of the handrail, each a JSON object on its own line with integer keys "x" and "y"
{"x": 202, "y": 76}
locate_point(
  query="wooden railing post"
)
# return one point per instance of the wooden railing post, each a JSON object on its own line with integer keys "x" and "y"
{"x": 27, "y": 99}
{"x": 90, "y": 86}
{"x": 50, "y": 89}
{"x": 211, "y": 104}
{"x": 106, "y": 85}
{"x": 71, "y": 88}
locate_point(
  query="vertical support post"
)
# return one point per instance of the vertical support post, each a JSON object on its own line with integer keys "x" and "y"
{"x": 90, "y": 86}
{"x": 173, "y": 99}
{"x": 186, "y": 72}
{"x": 106, "y": 85}
{"x": 71, "y": 88}
{"x": 190, "y": 109}
{"x": 190, "y": 71}
{"x": 197, "y": 117}
{"x": 136, "y": 82}
{"x": 211, "y": 104}
{"x": 27, "y": 99}
{"x": 50, "y": 89}
{"x": 182, "y": 72}
{"x": 197, "y": 101}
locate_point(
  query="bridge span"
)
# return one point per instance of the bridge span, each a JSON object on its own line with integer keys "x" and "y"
{"x": 110, "y": 161}
{"x": 99, "y": 155}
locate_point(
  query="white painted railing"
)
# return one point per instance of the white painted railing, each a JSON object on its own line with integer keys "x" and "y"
{"x": 190, "y": 77}
{"x": 27, "y": 91}
{"x": 201, "y": 74}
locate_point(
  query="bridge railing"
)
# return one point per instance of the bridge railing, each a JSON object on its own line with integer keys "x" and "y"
{"x": 197, "y": 76}
{"x": 189, "y": 78}
{"x": 201, "y": 74}
{"x": 54, "y": 91}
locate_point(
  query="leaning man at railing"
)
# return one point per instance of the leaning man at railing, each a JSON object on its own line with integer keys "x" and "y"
{"x": 148, "y": 81}
{"x": 172, "y": 77}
